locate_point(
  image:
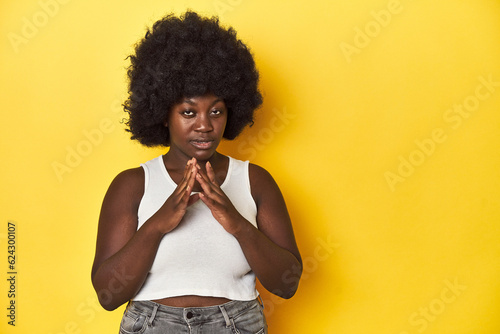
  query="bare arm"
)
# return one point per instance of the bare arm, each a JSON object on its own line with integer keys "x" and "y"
{"x": 124, "y": 255}
{"x": 271, "y": 249}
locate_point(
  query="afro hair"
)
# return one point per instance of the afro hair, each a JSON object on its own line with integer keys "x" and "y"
{"x": 189, "y": 56}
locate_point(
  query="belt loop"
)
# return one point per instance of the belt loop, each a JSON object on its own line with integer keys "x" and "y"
{"x": 226, "y": 316}
{"x": 153, "y": 315}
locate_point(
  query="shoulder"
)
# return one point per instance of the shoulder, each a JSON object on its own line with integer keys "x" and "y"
{"x": 262, "y": 183}
{"x": 258, "y": 173}
{"x": 129, "y": 178}
{"x": 128, "y": 184}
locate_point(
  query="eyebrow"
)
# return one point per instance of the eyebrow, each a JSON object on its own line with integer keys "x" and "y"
{"x": 193, "y": 103}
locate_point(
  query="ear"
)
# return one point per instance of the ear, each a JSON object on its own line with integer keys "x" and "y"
{"x": 165, "y": 124}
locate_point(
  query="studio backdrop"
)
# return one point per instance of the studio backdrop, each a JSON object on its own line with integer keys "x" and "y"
{"x": 380, "y": 124}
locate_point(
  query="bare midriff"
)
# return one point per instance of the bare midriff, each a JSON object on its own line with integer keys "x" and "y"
{"x": 192, "y": 301}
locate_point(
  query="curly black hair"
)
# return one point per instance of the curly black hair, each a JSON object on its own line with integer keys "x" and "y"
{"x": 189, "y": 56}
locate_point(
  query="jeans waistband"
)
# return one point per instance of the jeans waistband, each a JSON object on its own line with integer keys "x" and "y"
{"x": 192, "y": 315}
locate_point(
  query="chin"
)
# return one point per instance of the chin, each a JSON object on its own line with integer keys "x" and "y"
{"x": 203, "y": 155}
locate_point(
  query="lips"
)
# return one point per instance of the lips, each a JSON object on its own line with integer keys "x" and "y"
{"x": 202, "y": 144}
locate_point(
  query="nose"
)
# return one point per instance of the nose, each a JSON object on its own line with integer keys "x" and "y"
{"x": 203, "y": 123}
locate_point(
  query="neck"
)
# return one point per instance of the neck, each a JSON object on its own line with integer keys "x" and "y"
{"x": 176, "y": 160}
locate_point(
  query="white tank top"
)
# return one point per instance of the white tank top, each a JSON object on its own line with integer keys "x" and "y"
{"x": 198, "y": 257}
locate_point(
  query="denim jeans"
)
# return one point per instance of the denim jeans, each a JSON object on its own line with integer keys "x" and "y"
{"x": 234, "y": 317}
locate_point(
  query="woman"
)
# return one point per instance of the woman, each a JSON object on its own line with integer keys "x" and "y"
{"x": 183, "y": 237}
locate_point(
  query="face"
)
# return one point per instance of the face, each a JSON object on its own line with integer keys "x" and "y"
{"x": 196, "y": 126}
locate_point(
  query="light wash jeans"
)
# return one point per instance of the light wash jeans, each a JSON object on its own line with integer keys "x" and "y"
{"x": 234, "y": 317}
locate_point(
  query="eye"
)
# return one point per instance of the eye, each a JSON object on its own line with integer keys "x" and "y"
{"x": 216, "y": 112}
{"x": 187, "y": 113}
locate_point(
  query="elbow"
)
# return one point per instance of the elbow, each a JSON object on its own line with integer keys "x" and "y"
{"x": 108, "y": 301}
{"x": 108, "y": 307}
{"x": 286, "y": 293}
{"x": 292, "y": 289}
{"x": 289, "y": 283}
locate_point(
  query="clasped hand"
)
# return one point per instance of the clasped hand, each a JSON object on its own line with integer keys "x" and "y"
{"x": 212, "y": 195}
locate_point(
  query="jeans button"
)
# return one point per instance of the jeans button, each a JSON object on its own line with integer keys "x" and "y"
{"x": 189, "y": 315}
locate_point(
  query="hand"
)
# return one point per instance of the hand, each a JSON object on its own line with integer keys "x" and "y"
{"x": 174, "y": 208}
{"x": 219, "y": 204}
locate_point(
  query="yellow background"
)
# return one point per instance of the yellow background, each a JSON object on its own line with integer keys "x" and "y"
{"x": 394, "y": 195}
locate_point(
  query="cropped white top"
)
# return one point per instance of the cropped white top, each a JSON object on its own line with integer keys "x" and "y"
{"x": 198, "y": 257}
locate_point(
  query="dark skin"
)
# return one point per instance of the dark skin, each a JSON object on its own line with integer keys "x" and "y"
{"x": 196, "y": 126}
